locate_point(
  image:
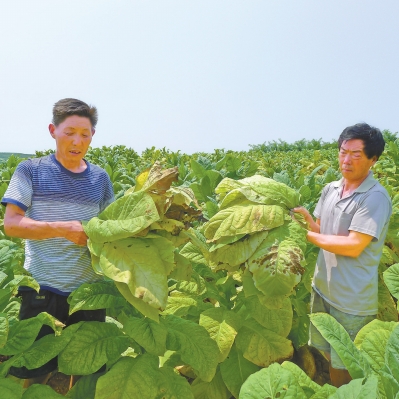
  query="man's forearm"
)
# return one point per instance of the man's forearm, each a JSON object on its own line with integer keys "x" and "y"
{"x": 351, "y": 245}
{"x": 24, "y": 227}
{"x": 314, "y": 227}
{"x": 17, "y": 225}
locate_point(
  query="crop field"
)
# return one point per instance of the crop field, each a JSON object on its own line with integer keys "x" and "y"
{"x": 207, "y": 296}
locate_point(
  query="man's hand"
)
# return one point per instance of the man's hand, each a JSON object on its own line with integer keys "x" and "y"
{"x": 74, "y": 232}
{"x": 313, "y": 225}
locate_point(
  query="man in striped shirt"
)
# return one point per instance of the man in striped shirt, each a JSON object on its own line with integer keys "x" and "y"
{"x": 46, "y": 201}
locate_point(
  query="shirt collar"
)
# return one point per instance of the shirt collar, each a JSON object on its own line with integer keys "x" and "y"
{"x": 366, "y": 184}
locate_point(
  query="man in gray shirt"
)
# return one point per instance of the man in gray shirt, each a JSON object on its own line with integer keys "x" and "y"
{"x": 352, "y": 218}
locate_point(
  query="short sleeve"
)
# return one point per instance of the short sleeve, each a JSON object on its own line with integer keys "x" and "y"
{"x": 108, "y": 196}
{"x": 317, "y": 211}
{"x": 373, "y": 214}
{"x": 19, "y": 191}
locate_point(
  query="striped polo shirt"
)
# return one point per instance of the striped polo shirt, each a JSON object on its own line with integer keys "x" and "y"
{"x": 47, "y": 191}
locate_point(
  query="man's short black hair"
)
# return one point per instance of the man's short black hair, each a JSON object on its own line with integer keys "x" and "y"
{"x": 71, "y": 106}
{"x": 372, "y": 138}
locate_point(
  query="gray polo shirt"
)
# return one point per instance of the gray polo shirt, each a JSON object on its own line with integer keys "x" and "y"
{"x": 351, "y": 284}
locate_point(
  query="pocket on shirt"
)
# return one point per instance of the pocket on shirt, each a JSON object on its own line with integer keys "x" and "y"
{"x": 343, "y": 223}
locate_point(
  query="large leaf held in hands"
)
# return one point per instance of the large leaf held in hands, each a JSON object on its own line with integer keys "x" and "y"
{"x": 258, "y": 189}
{"x": 238, "y": 252}
{"x": 243, "y": 220}
{"x": 126, "y": 217}
{"x": 141, "y": 263}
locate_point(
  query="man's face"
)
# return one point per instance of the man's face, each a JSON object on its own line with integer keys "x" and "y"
{"x": 73, "y": 137}
{"x": 353, "y": 162}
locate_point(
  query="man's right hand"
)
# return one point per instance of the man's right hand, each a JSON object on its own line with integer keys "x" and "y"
{"x": 313, "y": 225}
{"x": 74, "y": 232}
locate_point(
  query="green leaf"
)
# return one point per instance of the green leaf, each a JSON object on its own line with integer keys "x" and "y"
{"x": 198, "y": 170}
{"x": 222, "y": 326}
{"x": 301, "y": 377}
{"x": 183, "y": 268}
{"x": 179, "y": 304}
{"x": 276, "y": 320}
{"x": 194, "y": 345}
{"x": 139, "y": 304}
{"x": 141, "y": 377}
{"x": 358, "y": 388}
{"x": 21, "y": 335}
{"x": 193, "y": 253}
{"x": 238, "y": 252}
{"x": 37, "y": 391}
{"x": 272, "y": 382}
{"x": 211, "y": 209}
{"x": 305, "y": 192}
{"x": 325, "y": 392}
{"x": 147, "y": 333}
{"x": 142, "y": 264}
{"x": 235, "y": 370}
{"x": 225, "y": 241}
{"x": 92, "y": 345}
{"x": 392, "y": 353}
{"x": 12, "y": 311}
{"x": 10, "y": 389}
{"x": 43, "y": 350}
{"x": 290, "y": 230}
{"x": 243, "y": 220}
{"x": 279, "y": 270}
{"x": 259, "y": 189}
{"x": 339, "y": 339}
{"x": 197, "y": 250}
{"x": 390, "y": 387}
{"x": 215, "y": 389}
{"x": 85, "y": 388}
{"x": 372, "y": 339}
{"x": 4, "y": 328}
{"x": 386, "y": 305}
{"x": 299, "y": 334}
{"x": 262, "y": 346}
{"x": 100, "y": 295}
{"x": 125, "y": 217}
{"x": 391, "y": 279}
{"x": 25, "y": 281}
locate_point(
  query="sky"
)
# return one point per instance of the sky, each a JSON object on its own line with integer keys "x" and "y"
{"x": 196, "y": 76}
